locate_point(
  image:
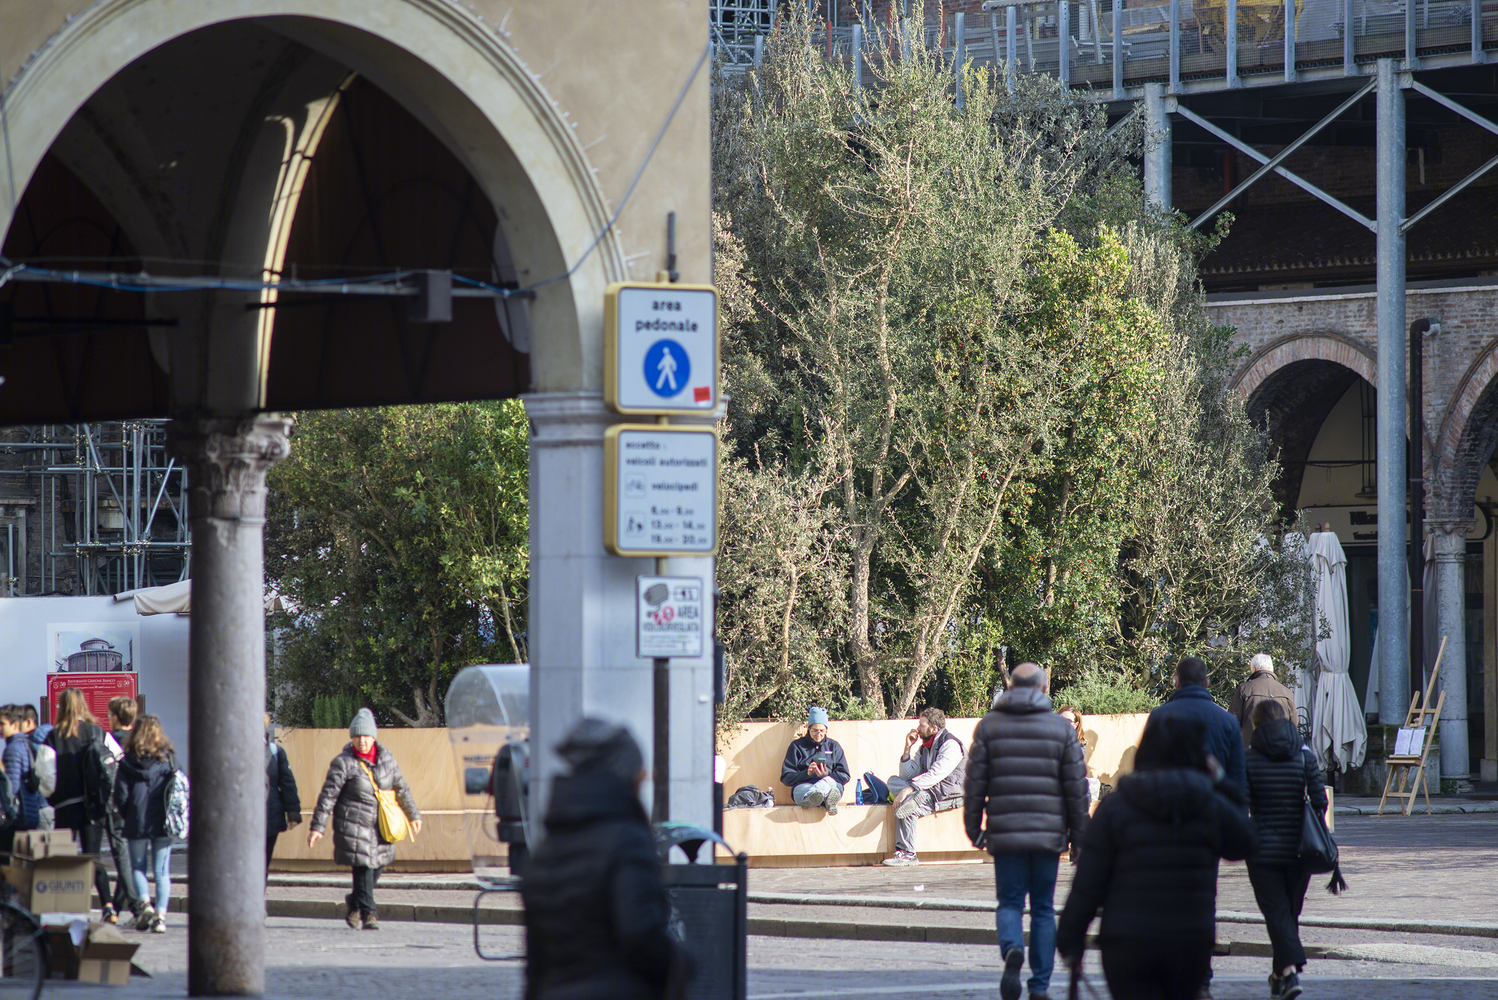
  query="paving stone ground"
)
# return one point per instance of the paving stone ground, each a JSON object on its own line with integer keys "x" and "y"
{"x": 1419, "y": 868}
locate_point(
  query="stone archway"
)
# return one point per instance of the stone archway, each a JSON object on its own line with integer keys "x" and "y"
{"x": 1290, "y": 387}
{"x": 1467, "y": 438}
{"x": 440, "y": 60}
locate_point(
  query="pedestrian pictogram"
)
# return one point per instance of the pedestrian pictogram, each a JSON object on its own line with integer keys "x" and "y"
{"x": 661, "y": 348}
{"x": 668, "y": 368}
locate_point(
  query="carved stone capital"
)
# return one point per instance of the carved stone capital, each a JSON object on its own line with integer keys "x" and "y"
{"x": 1449, "y": 539}
{"x": 227, "y": 460}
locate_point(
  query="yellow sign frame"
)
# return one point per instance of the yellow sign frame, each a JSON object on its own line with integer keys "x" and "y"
{"x": 611, "y": 346}
{"x": 611, "y": 498}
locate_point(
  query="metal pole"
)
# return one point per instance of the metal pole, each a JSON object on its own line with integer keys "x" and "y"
{"x": 1393, "y": 615}
{"x": 759, "y": 50}
{"x": 1175, "y": 45}
{"x": 1349, "y": 48}
{"x": 1118, "y": 51}
{"x": 1410, "y": 42}
{"x": 1289, "y": 41}
{"x": 1157, "y": 148}
{"x": 1416, "y": 490}
{"x": 959, "y": 53}
{"x": 1009, "y": 19}
{"x": 1232, "y": 44}
{"x": 660, "y": 766}
{"x": 1063, "y": 32}
{"x": 857, "y": 56}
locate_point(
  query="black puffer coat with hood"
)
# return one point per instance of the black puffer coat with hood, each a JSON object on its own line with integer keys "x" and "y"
{"x": 1281, "y": 773}
{"x": 595, "y": 910}
{"x": 1149, "y": 861}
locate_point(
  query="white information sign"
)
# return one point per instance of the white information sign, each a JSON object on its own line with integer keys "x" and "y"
{"x": 662, "y": 486}
{"x": 671, "y": 616}
{"x": 661, "y": 354}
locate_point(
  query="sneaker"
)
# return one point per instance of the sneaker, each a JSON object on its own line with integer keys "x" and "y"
{"x": 143, "y": 920}
{"x": 813, "y": 799}
{"x": 1014, "y": 960}
{"x": 831, "y": 800}
{"x": 902, "y": 859}
{"x": 1275, "y": 986}
{"x": 111, "y": 915}
{"x": 1289, "y": 987}
{"x": 158, "y": 924}
{"x": 907, "y": 807}
{"x": 371, "y": 921}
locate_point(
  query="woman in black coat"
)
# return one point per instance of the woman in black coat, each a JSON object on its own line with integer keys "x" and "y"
{"x": 140, "y": 793}
{"x": 349, "y": 799}
{"x": 595, "y": 910}
{"x": 81, "y": 800}
{"x": 1149, "y": 860}
{"x": 1281, "y": 774}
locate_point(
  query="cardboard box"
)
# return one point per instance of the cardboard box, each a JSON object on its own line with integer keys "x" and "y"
{"x": 63, "y": 884}
{"x": 34, "y": 845}
{"x": 92, "y": 952}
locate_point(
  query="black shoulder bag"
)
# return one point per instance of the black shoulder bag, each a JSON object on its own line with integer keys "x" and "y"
{"x": 1318, "y": 850}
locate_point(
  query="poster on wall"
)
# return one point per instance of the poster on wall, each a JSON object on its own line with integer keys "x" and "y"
{"x": 99, "y": 659}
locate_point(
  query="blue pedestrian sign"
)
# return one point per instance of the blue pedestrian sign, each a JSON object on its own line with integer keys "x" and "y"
{"x": 661, "y": 348}
{"x": 668, "y": 368}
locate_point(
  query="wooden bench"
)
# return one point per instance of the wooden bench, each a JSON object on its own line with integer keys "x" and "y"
{"x": 788, "y": 836}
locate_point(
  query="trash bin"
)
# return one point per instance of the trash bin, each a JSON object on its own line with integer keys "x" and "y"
{"x": 709, "y": 911}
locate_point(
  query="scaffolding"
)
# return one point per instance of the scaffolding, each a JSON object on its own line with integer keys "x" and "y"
{"x": 91, "y": 509}
{"x": 735, "y": 24}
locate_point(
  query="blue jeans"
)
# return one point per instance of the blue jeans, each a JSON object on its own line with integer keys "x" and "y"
{"x": 160, "y": 851}
{"x": 1033, "y": 873}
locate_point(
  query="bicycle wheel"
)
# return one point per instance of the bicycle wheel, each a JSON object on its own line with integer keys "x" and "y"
{"x": 24, "y": 961}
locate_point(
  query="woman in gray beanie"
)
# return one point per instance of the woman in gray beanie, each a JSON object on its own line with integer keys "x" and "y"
{"x": 596, "y": 914}
{"x": 348, "y": 795}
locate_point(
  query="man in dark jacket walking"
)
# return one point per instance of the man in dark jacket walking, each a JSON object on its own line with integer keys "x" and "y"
{"x": 1193, "y": 700}
{"x": 596, "y": 913}
{"x": 283, "y": 806}
{"x": 1224, "y": 742}
{"x": 815, "y": 768}
{"x": 1026, "y": 775}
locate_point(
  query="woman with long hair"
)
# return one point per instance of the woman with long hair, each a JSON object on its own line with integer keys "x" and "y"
{"x": 1149, "y": 860}
{"x": 81, "y": 800}
{"x": 348, "y": 798}
{"x": 140, "y": 795}
{"x": 1281, "y": 775}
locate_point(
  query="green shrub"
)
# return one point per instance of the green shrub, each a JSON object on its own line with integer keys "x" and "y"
{"x": 333, "y": 711}
{"x": 1096, "y": 693}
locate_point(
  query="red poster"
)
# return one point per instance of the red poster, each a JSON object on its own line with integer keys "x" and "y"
{"x": 97, "y": 690}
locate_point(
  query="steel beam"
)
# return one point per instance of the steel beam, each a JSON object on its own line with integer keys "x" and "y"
{"x": 1393, "y": 592}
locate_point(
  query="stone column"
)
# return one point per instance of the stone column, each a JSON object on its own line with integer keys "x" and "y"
{"x": 582, "y": 605}
{"x": 227, "y": 460}
{"x": 1450, "y": 540}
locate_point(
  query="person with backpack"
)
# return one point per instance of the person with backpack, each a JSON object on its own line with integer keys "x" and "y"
{"x": 18, "y": 760}
{"x": 349, "y": 797}
{"x": 85, "y": 782}
{"x": 122, "y": 712}
{"x": 140, "y": 796}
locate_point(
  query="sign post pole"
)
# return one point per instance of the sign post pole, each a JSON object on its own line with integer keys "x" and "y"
{"x": 660, "y": 673}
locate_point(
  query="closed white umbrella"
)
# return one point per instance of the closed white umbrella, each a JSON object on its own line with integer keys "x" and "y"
{"x": 1339, "y": 735}
{"x": 1432, "y": 619}
{"x": 176, "y": 599}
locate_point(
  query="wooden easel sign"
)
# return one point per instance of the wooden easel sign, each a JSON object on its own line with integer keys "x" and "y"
{"x": 1412, "y": 745}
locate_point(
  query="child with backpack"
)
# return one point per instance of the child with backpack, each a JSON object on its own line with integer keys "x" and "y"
{"x": 143, "y": 796}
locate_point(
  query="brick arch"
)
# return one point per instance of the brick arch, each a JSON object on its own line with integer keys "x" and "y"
{"x": 1290, "y": 387}
{"x": 1467, "y": 439}
{"x": 1330, "y": 347}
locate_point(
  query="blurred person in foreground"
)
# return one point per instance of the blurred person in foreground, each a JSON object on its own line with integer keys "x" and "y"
{"x": 1149, "y": 861}
{"x": 596, "y": 913}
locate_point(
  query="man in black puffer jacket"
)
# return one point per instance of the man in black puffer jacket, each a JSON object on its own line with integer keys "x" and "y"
{"x": 1149, "y": 860}
{"x": 1281, "y": 774}
{"x": 1025, "y": 774}
{"x": 595, "y": 910}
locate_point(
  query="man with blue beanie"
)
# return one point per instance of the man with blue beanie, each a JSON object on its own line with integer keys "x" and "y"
{"x": 815, "y": 768}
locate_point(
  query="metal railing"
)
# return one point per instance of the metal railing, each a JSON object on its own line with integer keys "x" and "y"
{"x": 1111, "y": 48}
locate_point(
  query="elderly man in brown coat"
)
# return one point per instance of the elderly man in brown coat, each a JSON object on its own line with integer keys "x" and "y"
{"x": 1261, "y": 685}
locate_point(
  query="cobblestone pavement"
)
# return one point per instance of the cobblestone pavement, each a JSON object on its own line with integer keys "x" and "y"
{"x": 324, "y": 959}
{"x": 1440, "y": 868}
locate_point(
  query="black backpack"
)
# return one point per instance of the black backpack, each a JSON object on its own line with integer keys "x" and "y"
{"x": 99, "y": 769}
{"x": 750, "y": 797}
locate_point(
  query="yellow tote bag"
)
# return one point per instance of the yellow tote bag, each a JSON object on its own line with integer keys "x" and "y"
{"x": 392, "y": 824}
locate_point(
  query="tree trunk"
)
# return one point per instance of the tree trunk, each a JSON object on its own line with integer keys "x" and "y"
{"x": 863, "y": 650}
